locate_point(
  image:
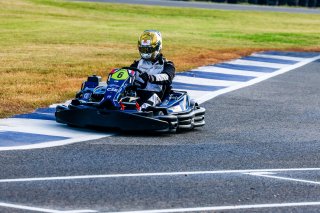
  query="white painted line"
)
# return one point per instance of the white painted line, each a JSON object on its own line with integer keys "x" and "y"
{"x": 261, "y": 173}
{"x": 282, "y": 178}
{"x": 153, "y": 174}
{"x": 78, "y": 211}
{"x": 203, "y": 81}
{"x": 9, "y": 205}
{"x": 233, "y": 207}
{"x": 214, "y": 69}
{"x": 52, "y": 143}
{"x": 207, "y": 96}
{"x": 257, "y": 63}
{"x": 36, "y": 209}
{"x": 290, "y": 58}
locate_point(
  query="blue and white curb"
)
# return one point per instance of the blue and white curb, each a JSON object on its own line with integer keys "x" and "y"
{"x": 39, "y": 129}
{"x": 26, "y": 133}
{"x": 207, "y": 82}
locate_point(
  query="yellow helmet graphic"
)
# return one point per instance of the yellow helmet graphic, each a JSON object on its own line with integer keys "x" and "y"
{"x": 150, "y": 44}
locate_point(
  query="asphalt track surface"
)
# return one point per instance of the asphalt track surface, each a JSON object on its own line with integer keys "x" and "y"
{"x": 270, "y": 125}
{"x": 215, "y": 6}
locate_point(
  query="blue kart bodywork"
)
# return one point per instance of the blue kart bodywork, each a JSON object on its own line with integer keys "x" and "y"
{"x": 113, "y": 105}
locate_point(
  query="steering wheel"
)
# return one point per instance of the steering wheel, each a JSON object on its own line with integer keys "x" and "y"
{"x": 132, "y": 68}
{"x": 141, "y": 85}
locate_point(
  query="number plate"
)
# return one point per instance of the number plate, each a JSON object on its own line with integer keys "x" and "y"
{"x": 120, "y": 75}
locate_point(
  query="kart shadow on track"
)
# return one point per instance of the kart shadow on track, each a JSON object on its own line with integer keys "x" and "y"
{"x": 113, "y": 106}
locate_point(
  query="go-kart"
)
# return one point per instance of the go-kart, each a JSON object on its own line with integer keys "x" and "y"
{"x": 114, "y": 105}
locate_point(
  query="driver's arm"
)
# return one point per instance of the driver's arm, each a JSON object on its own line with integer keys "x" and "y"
{"x": 163, "y": 78}
{"x": 166, "y": 76}
{"x": 135, "y": 64}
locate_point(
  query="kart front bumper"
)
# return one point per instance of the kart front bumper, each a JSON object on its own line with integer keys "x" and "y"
{"x": 82, "y": 116}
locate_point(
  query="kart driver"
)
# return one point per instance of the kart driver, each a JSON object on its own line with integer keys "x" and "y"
{"x": 156, "y": 70}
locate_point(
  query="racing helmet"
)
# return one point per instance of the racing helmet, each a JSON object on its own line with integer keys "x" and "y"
{"x": 150, "y": 44}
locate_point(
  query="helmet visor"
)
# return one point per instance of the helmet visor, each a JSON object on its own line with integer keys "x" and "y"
{"x": 147, "y": 49}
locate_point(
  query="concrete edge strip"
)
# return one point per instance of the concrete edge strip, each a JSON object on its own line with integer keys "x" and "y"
{"x": 209, "y": 6}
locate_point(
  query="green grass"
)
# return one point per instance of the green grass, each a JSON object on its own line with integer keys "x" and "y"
{"x": 47, "y": 47}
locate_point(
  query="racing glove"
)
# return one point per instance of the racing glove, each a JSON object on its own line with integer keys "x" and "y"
{"x": 147, "y": 78}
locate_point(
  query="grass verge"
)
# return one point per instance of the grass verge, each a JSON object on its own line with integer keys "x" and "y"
{"x": 48, "y": 47}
